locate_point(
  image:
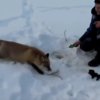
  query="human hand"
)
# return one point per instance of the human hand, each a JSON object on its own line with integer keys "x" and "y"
{"x": 97, "y": 24}
{"x": 76, "y": 43}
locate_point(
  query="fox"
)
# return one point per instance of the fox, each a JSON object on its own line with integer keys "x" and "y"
{"x": 25, "y": 54}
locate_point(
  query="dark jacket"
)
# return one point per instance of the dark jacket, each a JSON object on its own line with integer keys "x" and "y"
{"x": 92, "y": 30}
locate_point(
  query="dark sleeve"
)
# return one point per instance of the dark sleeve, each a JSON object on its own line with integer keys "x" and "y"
{"x": 89, "y": 30}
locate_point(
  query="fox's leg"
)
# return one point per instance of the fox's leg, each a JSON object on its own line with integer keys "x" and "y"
{"x": 14, "y": 62}
{"x": 18, "y": 61}
{"x": 3, "y": 53}
{"x": 36, "y": 68}
{"x": 22, "y": 63}
{"x": 1, "y": 57}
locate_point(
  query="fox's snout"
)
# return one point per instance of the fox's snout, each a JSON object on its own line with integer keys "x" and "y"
{"x": 49, "y": 69}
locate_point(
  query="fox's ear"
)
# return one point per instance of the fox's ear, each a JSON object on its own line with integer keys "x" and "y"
{"x": 47, "y": 55}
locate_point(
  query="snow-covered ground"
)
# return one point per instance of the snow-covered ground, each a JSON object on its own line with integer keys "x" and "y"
{"x": 42, "y": 23}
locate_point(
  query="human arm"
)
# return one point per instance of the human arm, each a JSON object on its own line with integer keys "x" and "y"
{"x": 89, "y": 30}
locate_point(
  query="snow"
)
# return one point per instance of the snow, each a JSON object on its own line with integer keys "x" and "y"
{"x": 10, "y": 9}
{"x": 42, "y": 24}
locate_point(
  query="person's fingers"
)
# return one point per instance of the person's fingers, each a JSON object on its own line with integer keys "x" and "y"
{"x": 75, "y": 44}
{"x": 96, "y": 22}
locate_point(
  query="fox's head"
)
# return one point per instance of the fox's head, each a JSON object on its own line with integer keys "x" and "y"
{"x": 45, "y": 62}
